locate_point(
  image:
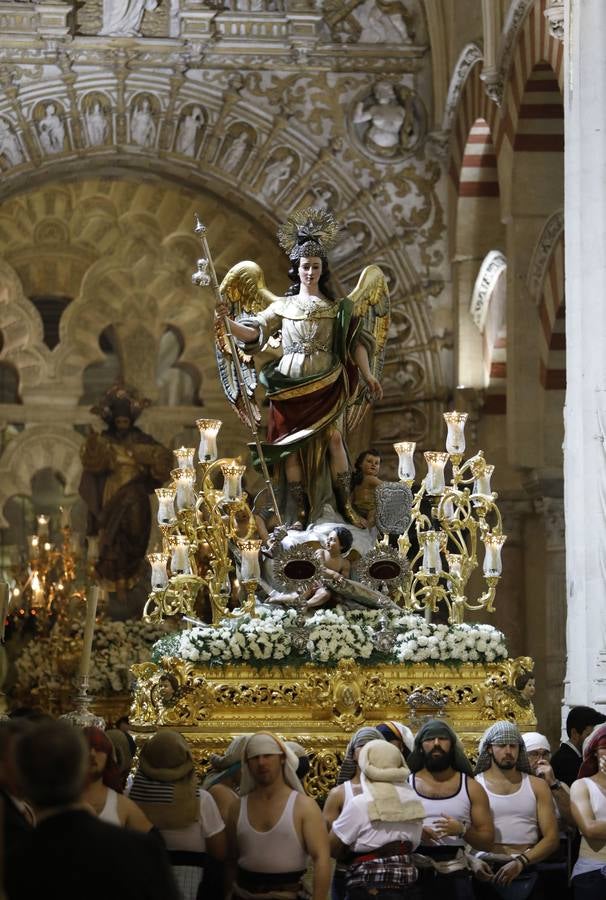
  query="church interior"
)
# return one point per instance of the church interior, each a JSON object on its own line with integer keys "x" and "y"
{"x": 433, "y": 130}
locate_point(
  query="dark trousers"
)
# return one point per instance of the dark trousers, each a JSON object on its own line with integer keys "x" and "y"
{"x": 370, "y": 893}
{"x": 589, "y": 886}
{"x": 454, "y": 886}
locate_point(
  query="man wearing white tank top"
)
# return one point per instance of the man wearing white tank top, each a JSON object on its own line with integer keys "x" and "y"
{"x": 273, "y": 827}
{"x": 588, "y": 800}
{"x": 526, "y": 830}
{"x": 456, "y": 810}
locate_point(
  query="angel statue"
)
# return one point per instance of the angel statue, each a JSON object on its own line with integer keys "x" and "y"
{"x": 328, "y": 372}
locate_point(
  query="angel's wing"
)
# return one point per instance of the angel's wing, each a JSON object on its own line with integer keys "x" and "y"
{"x": 371, "y": 304}
{"x": 244, "y": 292}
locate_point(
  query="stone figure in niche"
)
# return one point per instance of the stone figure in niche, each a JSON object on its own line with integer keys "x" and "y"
{"x": 142, "y": 128}
{"x": 392, "y": 125}
{"x": 9, "y": 145}
{"x": 188, "y": 132}
{"x": 349, "y": 245}
{"x": 381, "y": 23}
{"x": 122, "y": 466}
{"x": 97, "y": 126}
{"x": 277, "y": 174}
{"x": 122, "y": 18}
{"x": 235, "y": 153}
{"x": 51, "y": 130}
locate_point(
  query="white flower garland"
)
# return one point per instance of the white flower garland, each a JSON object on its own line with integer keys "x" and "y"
{"x": 336, "y": 634}
{"x": 116, "y": 647}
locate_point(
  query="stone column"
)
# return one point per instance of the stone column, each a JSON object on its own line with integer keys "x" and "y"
{"x": 585, "y": 412}
{"x": 555, "y": 615}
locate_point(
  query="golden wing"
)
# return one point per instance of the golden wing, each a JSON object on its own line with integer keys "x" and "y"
{"x": 244, "y": 292}
{"x": 371, "y": 304}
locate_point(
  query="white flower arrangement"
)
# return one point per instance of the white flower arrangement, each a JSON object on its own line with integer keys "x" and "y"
{"x": 116, "y": 647}
{"x": 332, "y": 635}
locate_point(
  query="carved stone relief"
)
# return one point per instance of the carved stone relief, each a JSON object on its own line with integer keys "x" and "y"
{"x": 97, "y": 115}
{"x": 389, "y": 122}
{"x": 49, "y": 119}
{"x": 11, "y": 152}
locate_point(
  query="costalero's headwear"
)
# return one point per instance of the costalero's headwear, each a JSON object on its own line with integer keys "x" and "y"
{"x": 533, "y": 740}
{"x": 165, "y": 784}
{"x": 382, "y": 767}
{"x": 308, "y": 232}
{"x": 392, "y": 729}
{"x": 591, "y": 745}
{"x": 264, "y": 743}
{"x": 438, "y": 728}
{"x": 98, "y": 740}
{"x": 359, "y": 739}
{"x": 503, "y": 732}
{"x": 222, "y": 766}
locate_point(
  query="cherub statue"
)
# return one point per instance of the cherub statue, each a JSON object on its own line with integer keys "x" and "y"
{"x": 327, "y": 374}
{"x": 365, "y": 482}
{"x": 335, "y": 567}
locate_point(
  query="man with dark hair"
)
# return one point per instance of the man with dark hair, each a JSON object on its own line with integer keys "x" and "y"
{"x": 526, "y": 831}
{"x": 566, "y": 761}
{"x": 71, "y": 854}
{"x": 456, "y": 810}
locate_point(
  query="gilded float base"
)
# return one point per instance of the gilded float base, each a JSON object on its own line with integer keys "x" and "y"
{"x": 321, "y": 706}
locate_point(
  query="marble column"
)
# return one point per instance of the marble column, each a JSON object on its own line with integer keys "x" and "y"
{"x": 585, "y": 411}
{"x": 552, "y": 509}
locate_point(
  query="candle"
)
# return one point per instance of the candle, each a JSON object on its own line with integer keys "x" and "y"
{"x": 232, "y": 485}
{"x": 481, "y": 485}
{"x": 4, "y": 604}
{"x": 406, "y": 464}
{"x": 159, "y": 576}
{"x": 42, "y": 526}
{"x": 455, "y": 439}
{"x": 166, "y": 507}
{"x": 64, "y": 517}
{"x": 184, "y": 483}
{"x": 92, "y": 548}
{"x": 209, "y": 429}
{"x": 493, "y": 544}
{"x": 250, "y": 569}
{"x": 34, "y": 545}
{"x": 37, "y": 591}
{"x": 179, "y": 562}
{"x": 430, "y": 541}
{"x": 185, "y": 457}
{"x": 89, "y": 630}
{"x": 434, "y": 480}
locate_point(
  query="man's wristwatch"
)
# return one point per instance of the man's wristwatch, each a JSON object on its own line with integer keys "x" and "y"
{"x": 555, "y": 786}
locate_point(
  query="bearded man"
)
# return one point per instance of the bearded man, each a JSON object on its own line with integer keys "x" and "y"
{"x": 456, "y": 810}
{"x": 526, "y": 830}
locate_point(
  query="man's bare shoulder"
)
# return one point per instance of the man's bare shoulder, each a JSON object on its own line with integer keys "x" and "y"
{"x": 539, "y": 786}
{"x": 305, "y": 806}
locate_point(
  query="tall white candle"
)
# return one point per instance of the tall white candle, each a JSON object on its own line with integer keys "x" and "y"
{"x": 89, "y": 630}
{"x": 4, "y": 604}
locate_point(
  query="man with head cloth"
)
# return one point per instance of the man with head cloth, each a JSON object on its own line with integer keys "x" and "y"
{"x": 538, "y": 751}
{"x": 526, "y": 830}
{"x": 588, "y": 799}
{"x": 456, "y": 809}
{"x": 347, "y": 787}
{"x": 380, "y": 827}
{"x": 274, "y": 827}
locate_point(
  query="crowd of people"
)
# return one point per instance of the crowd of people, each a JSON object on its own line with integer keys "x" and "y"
{"x": 410, "y": 815}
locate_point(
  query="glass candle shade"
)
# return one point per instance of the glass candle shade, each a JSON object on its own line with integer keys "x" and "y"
{"x": 42, "y": 526}
{"x": 37, "y": 600}
{"x": 179, "y": 561}
{"x": 209, "y": 429}
{"x": 434, "y": 480}
{"x": 406, "y": 463}
{"x": 166, "y": 505}
{"x": 33, "y": 543}
{"x": 250, "y": 569}
{"x": 184, "y": 480}
{"x": 159, "y": 575}
{"x": 493, "y": 544}
{"x": 185, "y": 457}
{"x": 92, "y": 548}
{"x": 483, "y": 474}
{"x": 455, "y": 438}
{"x": 64, "y": 517}
{"x": 232, "y": 484}
{"x": 432, "y": 563}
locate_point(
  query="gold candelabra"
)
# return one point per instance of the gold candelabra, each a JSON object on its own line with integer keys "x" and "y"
{"x": 203, "y": 528}
{"x": 461, "y": 513}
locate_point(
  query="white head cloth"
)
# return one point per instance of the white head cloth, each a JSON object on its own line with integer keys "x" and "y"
{"x": 264, "y": 743}
{"x": 382, "y": 767}
{"x": 535, "y": 741}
